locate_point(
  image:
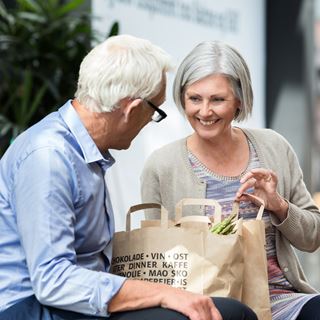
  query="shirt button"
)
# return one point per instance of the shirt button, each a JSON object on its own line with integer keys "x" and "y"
{"x": 285, "y": 269}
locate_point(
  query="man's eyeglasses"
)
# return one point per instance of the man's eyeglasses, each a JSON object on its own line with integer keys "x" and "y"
{"x": 159, "y": 114}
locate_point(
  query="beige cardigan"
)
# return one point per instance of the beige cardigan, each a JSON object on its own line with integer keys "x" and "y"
{"x": 168, "y": 177}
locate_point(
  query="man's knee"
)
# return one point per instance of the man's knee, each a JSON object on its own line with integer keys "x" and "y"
{"x": 232, "y": 309}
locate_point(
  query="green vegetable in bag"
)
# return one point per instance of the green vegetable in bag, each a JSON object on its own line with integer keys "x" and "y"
{"x": 226, "y": 226}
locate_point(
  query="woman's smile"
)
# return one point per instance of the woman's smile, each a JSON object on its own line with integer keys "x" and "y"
{"x": 208, "y": 122}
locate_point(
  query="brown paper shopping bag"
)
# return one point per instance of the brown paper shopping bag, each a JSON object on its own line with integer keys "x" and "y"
{"x": 255, "y": 281}
{"x": 184, "y": 257}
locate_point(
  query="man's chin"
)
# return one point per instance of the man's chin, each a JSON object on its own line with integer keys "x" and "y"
{"x": 123, "y": 147}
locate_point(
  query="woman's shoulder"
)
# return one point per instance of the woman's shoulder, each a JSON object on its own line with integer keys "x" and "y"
{"x": 265, "y": 136}
{"x": 168, "y": 154}
{"x": 171, "y": 149}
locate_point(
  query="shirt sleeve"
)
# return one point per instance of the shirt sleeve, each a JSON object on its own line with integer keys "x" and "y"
{"x": 44, "y": 197}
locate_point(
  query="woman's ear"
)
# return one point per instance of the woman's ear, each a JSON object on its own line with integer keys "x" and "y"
{"x": 236, "y": 115}
{"x": 129, "y": 107}
{"x": 238, "y": 110}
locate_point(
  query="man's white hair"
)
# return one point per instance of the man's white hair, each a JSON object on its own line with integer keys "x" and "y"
{"x": 121, "y": 67}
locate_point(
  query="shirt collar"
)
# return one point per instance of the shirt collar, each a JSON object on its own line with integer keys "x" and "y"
{"x": 89, "y": 149}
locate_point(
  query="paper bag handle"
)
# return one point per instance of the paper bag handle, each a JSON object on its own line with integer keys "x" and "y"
{"x": 217, "y": 206}
{"x": 143, "y": 206}
{"x": 254, "y": 199}
{"x": 196, "y": 201}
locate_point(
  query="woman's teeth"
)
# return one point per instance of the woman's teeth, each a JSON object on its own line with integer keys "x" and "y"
{"x": 207, "y": 123}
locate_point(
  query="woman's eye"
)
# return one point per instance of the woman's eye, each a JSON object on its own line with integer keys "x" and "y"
{"x": 217, "y": 99}
{"x": 194, "y": 99}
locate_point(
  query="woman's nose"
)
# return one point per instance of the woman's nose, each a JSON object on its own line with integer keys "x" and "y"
{"x": 205, "y": 109}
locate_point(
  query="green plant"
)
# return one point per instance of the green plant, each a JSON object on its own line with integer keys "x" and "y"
{"x": 42, "y": 44}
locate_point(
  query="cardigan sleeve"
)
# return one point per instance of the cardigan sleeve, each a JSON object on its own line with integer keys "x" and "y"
{"x": 150, "y": 186}
{"x": 302, "y": 225}
{"x": 167, "y": 178}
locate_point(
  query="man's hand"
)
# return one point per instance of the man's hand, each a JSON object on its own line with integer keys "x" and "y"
{"x": 136, "y": 294}
{"x": 194, "y": 306}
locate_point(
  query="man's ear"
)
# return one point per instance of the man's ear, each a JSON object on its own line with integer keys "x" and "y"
{"x": 130, "y": 107}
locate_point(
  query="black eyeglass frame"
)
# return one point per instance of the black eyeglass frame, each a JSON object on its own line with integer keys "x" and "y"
{"x": 162, "y": 115}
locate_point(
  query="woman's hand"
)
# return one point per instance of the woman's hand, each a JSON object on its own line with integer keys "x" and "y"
{"x": 264, "y": 183}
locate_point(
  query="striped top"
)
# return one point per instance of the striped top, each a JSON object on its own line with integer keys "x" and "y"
{"x": 286, "y": 303}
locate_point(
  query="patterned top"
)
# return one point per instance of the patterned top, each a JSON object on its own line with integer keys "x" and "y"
{"x": 286, "y": 303}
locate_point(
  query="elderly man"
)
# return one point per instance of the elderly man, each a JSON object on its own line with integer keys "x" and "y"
{"x": 56, "y": 219}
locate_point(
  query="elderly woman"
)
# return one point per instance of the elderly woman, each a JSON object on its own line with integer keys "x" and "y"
{"x": 224, "y": 162}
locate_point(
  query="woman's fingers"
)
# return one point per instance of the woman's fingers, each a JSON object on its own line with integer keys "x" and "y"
{"x": 250, "y": 197}
{"x": 262, "y": 181}
{"x": 247, "y": 184}
{"x": 264, "y": 174}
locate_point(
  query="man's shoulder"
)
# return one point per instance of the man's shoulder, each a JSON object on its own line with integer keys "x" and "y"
{"x": 48, "y": 134}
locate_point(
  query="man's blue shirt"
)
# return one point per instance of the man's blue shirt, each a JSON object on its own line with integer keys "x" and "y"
{"x": 56, "y": 219}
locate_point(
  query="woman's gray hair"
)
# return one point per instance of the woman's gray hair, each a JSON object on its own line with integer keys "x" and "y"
{"x": 121, "y": 67}
{"x": 210, "y": 58}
